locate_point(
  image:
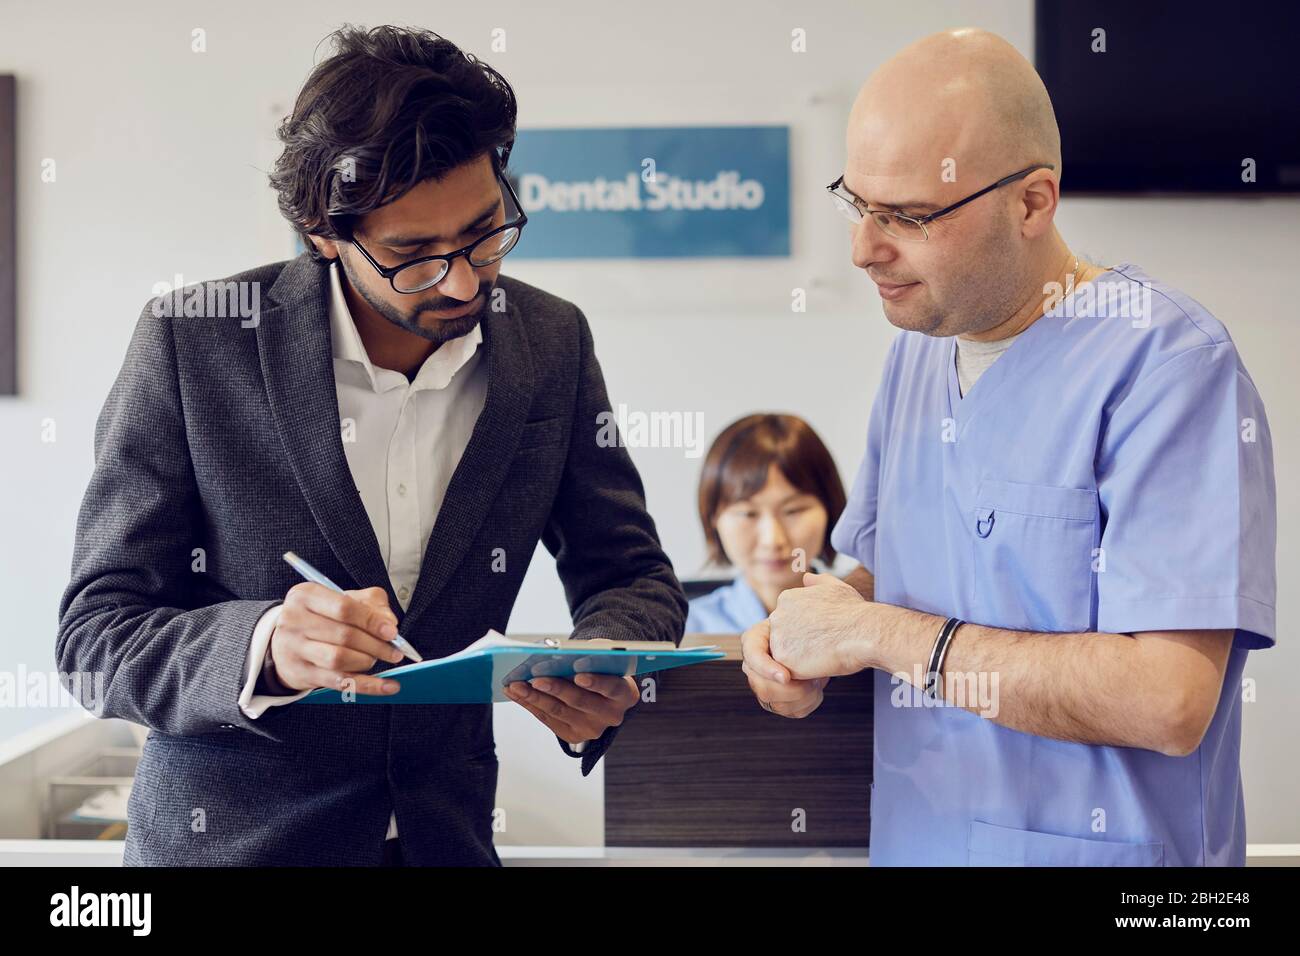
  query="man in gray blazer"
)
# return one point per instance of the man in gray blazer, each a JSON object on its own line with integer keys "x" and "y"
{"x": 225, "y": 442}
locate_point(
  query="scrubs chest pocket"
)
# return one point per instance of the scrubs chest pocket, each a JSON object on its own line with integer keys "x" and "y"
{"x": 1032, "y": 566}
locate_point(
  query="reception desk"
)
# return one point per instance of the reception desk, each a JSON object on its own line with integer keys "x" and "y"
{"x": 703, "y": 765}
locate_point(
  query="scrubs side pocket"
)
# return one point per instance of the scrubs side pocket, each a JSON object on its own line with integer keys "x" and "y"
{"x": 1032, "y": 566}
{"x": 991, "y": 845}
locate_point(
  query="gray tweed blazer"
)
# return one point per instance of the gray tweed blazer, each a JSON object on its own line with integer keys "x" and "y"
{"x": 221, "y": 436}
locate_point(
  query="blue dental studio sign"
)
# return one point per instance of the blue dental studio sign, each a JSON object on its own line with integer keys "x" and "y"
{"x": 656, "y": 192}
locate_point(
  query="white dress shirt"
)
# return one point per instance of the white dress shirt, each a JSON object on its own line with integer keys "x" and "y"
{"x": 403, "y": 440}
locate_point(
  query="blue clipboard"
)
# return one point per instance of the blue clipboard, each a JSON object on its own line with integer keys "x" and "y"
{"x": 479, "y": 675}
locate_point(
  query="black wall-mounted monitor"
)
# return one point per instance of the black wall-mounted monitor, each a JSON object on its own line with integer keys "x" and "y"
{"x": 1173, "y": 97}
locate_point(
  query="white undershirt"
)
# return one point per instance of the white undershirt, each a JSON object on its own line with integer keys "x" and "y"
{"x": 974, "y": 358}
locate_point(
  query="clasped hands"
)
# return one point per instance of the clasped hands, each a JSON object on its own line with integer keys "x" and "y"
{"x": 819, "y": 631}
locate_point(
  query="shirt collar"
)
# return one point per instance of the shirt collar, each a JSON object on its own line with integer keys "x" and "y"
{"x": 436, "y": 372}
{"x": 997, "y": 346}
{"x": 743, "y": 602}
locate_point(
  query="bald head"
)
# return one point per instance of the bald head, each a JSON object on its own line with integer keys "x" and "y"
{"x": 942, "y": 120}
{"x": 966, "y": 95}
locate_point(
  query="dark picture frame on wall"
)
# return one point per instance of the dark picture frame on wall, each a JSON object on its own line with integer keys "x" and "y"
{"x": 8, "y": 238}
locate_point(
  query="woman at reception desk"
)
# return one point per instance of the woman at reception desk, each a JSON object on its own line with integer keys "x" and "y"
{"x": 725, "y": 771}
{"x": 768, "y": 497}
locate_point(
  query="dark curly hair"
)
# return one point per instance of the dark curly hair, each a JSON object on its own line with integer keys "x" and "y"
{"x": 391, "y": 108}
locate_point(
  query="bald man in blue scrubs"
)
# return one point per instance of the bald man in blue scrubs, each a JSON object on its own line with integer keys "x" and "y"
{"x": 1065, "y": 516}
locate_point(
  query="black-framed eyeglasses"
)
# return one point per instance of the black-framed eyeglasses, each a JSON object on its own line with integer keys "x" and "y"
{"x": 426, "y": 272}
{"x": 911, "y": 228}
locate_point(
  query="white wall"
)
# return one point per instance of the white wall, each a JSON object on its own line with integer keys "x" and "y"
{"x": 161, "y": 155}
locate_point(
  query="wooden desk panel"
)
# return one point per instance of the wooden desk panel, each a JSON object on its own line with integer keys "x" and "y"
{"x": 704, "y": 765}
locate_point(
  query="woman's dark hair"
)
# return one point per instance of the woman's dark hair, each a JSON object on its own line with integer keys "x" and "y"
{"x": 391, "y": 108}
{"x": 737, "y": 464}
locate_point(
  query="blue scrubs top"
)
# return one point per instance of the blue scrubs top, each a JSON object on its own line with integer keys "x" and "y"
{"x": 1107, "y": 473}
{"x": 731, "y": 609}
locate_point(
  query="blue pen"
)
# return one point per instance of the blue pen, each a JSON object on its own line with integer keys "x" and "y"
{"x": 311, "y": 574}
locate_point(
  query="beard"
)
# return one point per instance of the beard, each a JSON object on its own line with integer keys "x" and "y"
{"x": 978, "y": 297}
{"x": 436, "y": 330}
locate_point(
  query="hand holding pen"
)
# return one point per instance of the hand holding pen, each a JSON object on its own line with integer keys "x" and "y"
{"x": 326, "y": 637}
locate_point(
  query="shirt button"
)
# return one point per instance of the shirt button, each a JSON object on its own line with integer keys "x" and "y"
{"x": 401, "y": 490}
{"x": 404, "y": 593}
